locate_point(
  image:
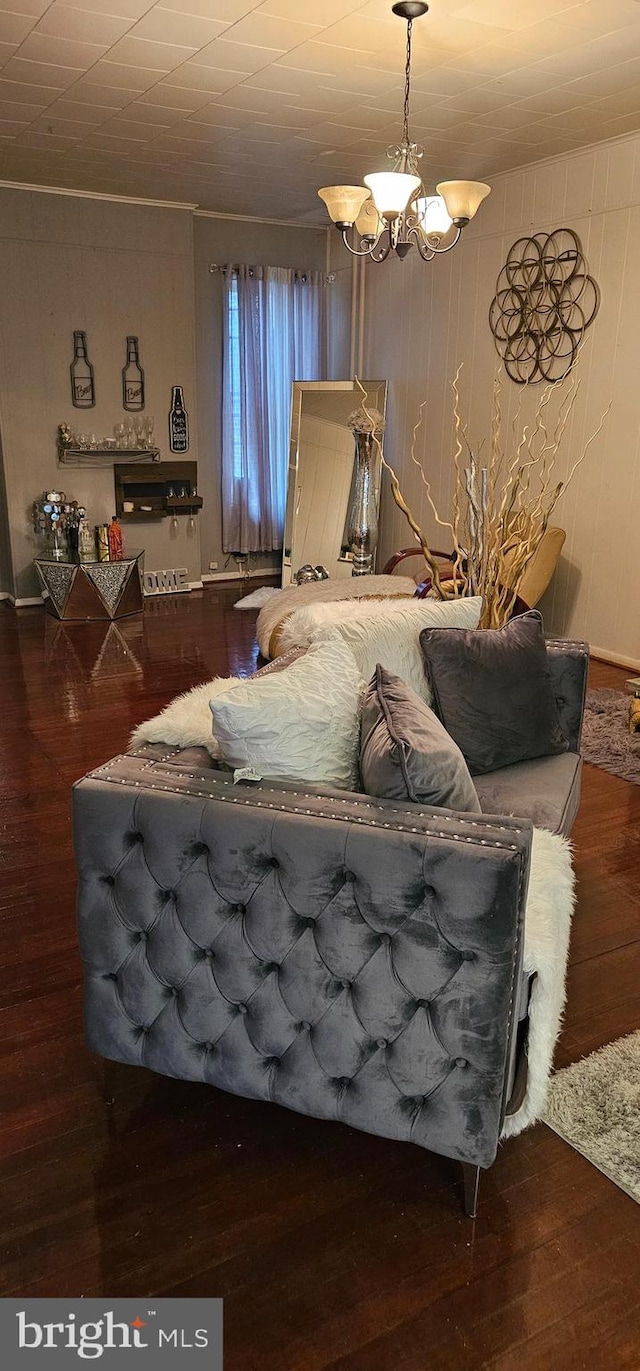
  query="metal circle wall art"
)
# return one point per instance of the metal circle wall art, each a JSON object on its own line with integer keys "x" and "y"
{"x": 544, "y": 302}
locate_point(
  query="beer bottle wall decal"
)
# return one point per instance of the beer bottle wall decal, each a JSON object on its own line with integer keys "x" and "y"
{"x": 178, "y": 422}
{"x": 83, "y": 391}
{"x": 132, "y": 377}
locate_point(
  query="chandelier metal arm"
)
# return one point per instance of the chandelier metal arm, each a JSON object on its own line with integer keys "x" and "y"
{"x": 427, "y": 251}
{"x": 369, "y": 251}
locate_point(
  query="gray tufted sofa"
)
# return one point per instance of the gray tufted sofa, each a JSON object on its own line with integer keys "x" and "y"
{"x": 350, "y": 958}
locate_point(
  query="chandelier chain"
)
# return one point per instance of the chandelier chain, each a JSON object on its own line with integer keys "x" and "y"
{"x": 407, "y": 84}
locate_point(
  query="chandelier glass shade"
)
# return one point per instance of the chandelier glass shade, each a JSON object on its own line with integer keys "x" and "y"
{"x": 393, "y": 210}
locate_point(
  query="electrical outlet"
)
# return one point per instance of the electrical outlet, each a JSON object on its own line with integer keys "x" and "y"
{"x": 213, "y": 566}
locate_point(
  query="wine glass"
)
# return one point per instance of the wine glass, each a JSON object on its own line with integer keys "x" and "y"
{"x": 148, "y": 425}
{"x": 118, "y": 433}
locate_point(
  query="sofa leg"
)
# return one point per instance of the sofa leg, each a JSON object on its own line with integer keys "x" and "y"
{"x": 471, "y": 1175}
{"x": 102, "y": 1079}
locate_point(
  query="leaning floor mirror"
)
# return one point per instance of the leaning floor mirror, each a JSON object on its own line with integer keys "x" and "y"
{"x": 333, "y": 490}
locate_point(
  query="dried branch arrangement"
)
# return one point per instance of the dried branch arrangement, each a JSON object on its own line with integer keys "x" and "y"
{"x": 500, "y": 508}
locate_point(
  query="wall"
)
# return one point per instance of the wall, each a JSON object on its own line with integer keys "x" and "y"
{"x": 221, "y": 241}
{"x": 6, "y": 568}
{"x": 422, "y": 320}
{"x": 110, "y": 268}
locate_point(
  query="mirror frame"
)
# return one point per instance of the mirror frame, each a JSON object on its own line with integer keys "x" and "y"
{"x": 298, "y": 391}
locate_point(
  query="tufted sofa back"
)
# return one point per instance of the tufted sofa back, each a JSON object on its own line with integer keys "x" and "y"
{"x": 348, "y": 958}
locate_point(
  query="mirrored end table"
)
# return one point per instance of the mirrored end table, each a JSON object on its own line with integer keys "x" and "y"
{"x": 77, "y": 587}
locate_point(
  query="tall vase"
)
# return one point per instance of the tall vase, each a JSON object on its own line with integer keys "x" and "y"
{"x": 362, "y": 532}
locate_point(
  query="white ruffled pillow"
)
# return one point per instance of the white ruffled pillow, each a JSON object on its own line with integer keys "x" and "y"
{"x": 393, "y": 638}
{"x": 301, "y": 724}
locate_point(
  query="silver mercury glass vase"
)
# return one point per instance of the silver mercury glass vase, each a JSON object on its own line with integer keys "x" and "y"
{"x": 362, "y": 532}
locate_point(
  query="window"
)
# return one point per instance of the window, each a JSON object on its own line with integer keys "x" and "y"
{"x": 272, "y": 335}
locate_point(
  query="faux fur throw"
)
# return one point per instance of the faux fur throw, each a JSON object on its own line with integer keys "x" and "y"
{"x": 550, "y": 902}
{"x": 274, "y": 614}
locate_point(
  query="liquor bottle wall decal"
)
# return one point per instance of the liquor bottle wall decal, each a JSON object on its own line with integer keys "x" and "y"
{"x": 178, "y": 422}
{"x": 83, "y": 391}
{"x": 132, "y": 377}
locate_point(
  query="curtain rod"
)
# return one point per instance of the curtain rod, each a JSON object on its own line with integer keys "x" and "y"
{"x": 329, "y": 276}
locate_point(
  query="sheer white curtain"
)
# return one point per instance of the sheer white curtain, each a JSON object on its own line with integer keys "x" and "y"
{"x": 272, "y": 336}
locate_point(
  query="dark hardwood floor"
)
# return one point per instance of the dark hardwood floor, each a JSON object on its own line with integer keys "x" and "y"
{"x": 331, "y": 1248}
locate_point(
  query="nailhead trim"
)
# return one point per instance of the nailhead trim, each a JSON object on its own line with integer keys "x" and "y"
{"x": 253, "y": 802}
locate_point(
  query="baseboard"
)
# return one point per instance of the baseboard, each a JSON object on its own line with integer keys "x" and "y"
{"x": 602, "y": 654}
{"x": 265, "y": 575}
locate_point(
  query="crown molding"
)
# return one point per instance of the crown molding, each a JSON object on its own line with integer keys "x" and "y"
{"x": 257, "y": 219}
{"x": 95, "y": 195}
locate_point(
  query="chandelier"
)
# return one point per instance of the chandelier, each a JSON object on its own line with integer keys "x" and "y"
{"x": 393, "y": 210}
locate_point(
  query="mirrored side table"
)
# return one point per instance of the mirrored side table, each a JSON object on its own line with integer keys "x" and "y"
{"x": 77, "y": 587}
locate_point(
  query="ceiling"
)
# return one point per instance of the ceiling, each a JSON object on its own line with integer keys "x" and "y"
{"x": 248, "y": 108}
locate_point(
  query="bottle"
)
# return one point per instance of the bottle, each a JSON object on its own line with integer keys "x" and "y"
{"x": 102, "y": 542}
{"x": 83, "y": 394}
{"x": 132, "y": 377}
{"x": 86, "y": 540}
{"x": 115, "y": 540}
{"x": 178, "y": 422}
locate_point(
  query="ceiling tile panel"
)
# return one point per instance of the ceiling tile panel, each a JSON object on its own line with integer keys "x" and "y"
{"x": 13, "y": 109}
{"x": 240, "y": 57}
{"x": 61, "y": 52}
{"x": 10, "y": 128}
{"x": 169, "y": 26}
{"x": 173, "y": 96}
{"x": 32, "y": 7}
{"x": 124, "y": 75}
{"x": 269, "y": 31}
{"x": 15, "y": 27}
{"x": 195, "y": 76}
{"x": 84, "y": 26}
{"x": 27, "y": 92}
{"x": 332, "y": 10}
{"x": 7, "y": 50}
{"x": 142, "y": 52}
{"x": 124, "y": 9}
{"x": 88, "y": 92}
{"x": 39, "y": 73}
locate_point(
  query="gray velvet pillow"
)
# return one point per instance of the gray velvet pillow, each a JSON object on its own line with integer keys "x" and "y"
{"x": 405, "y": 753}
{"x": 492, "y": 691}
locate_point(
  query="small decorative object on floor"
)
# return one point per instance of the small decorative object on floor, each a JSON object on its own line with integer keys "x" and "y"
{"x": 115, "y": 540}
{"x": 132, "y": 378}
{"x": 166, "y": 582}
{"x": 633, "y": 685}
{"x": 83, "y": 391}
{"x": 595, "y": 1106}
{"x": 257, "y": 598}
{"x": 367, "y": 425}
{"x": 305, "y": 574}
{"x": 607, "y": 738}
{"x": 178, "y": 422}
